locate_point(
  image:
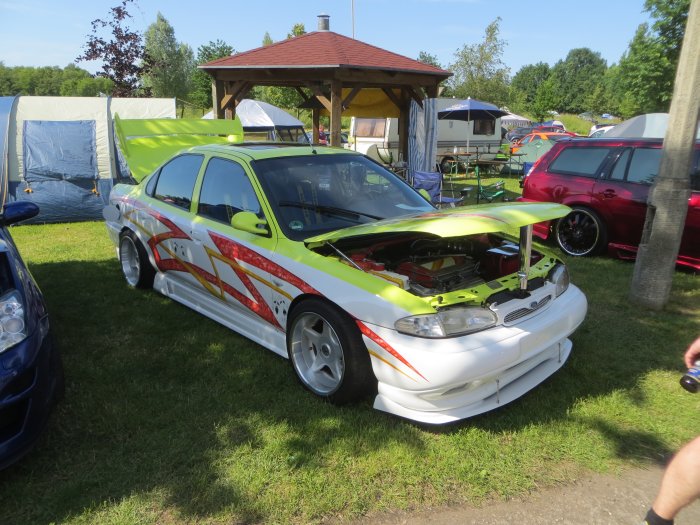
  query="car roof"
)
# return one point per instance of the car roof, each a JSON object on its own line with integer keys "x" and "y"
{"x": 266, "y": 150}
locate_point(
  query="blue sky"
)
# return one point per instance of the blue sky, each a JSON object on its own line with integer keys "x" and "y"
{"x": 52, "y": 33}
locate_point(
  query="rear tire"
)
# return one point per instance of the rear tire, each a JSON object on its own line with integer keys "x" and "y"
{"x": 327, "y": 353}
{"x": 581, "y": 233}
{"x": 136, "y": 267}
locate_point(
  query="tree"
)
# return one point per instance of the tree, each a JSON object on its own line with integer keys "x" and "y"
{"x": 479, "y": 71}
{"x": 427, "y": 58}
{"x": 267, "y": 39}
{"x": 529, "y": 79}
{"x": 170, "y": 63}
{"x": 297, "y": 30}
{"x": 201, "y": 81}
{"x": 647, "y": 68}
{"x": 121, "y": 56}
{"x": 545, "y": 100}
{"x": 575, "y": 77}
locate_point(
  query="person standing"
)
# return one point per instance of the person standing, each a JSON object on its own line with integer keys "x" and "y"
{"x": 680, "y": 484}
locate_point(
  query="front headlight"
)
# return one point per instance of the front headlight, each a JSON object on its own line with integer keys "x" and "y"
{"x": 447, "y": 323}
{"x": 12, "y": 323}
{"x": 559, "y": 276}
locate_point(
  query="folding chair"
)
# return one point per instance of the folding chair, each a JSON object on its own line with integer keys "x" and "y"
{"x": 431, "y": 181}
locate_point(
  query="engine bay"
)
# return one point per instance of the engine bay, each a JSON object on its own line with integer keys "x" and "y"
{"x": 428, "y": 265}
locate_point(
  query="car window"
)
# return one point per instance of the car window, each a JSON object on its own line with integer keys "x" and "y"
{"x": 226, "y": 190}
{"x": 644, "y": 165}
{"x": 176, "y": 180}
{"x": 618, "y": 172}
{"x": 582, "y": 161}
{"x": 695, "y": 173}
{"x": 314, "y": 194}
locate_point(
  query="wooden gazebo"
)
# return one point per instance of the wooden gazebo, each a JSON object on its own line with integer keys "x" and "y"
{"x": 335, "y": 74}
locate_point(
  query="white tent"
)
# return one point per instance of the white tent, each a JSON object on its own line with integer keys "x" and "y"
{"x": 651, "y": 125}
{"x": 260, "y": 117}
{"x": 515, "y": 121}
{"x": 60, "y": 151}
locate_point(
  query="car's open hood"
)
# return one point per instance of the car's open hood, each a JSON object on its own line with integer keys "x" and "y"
{"x": 452, "y": 222}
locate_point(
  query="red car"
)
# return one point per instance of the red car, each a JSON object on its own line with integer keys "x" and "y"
{"x": 607, "y": 182}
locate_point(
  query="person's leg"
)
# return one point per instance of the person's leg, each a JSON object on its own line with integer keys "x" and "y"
{"x": 681, "y": 482}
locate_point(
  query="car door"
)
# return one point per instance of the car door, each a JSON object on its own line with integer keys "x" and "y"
{"x": 171, "y": 193}
{"x": 622, "y": 191}
{"x": 232, "y": 265}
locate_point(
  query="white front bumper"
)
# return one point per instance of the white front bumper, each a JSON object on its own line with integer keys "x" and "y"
{"x": 456, "y": 378}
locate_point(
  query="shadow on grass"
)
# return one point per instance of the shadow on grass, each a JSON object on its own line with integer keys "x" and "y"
{"x": 163, "y": 402}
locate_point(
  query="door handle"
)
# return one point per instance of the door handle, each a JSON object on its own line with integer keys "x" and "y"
{"x": 609, "y": 194}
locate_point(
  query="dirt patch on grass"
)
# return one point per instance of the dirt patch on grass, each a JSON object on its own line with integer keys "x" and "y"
{"x": 593, "y": 499}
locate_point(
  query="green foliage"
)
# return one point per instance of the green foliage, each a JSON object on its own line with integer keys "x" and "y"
{"x": 644, "y": 82}
{"x": 479, "y": 70}
{"x": 545, "y": 100}
{"x": 427, "y": 58}
{"x": 528, "y": 80}
{"x": 201, "y": 81}
{"x": 575, "y": 78}
{"x": 51, "y": 81}
{"x": 297, "y": 30}
{"x": 170, "y": 64}
{"x": 267, "y": 39}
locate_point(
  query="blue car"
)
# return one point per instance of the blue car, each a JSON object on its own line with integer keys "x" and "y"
{"x": 31, "y": 372}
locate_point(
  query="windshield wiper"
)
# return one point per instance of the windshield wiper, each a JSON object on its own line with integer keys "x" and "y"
{"x": 331, "y": 210}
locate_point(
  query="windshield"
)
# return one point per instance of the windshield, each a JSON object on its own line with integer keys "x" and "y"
{"x": 315, "y": 194}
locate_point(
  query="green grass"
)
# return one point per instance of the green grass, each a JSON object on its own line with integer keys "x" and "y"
{"x": 170, "y": 418}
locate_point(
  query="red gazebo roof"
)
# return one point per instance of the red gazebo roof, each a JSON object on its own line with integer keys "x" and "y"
{"x": 323, "y": 49}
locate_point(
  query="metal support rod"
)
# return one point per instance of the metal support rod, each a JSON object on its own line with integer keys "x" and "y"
{"x": 524, "y": 255}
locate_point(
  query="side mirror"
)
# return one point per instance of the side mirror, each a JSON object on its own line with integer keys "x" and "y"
{"x": 17, "y": 211}
{"x": 247, "y": 221}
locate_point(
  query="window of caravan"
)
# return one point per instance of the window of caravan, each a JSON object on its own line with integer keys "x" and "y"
{"x": 370, "y": 127}
{"x": 484, "y": 127}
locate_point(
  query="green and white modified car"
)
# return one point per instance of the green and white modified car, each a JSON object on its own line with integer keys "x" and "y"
{"x": 327, "y": 258}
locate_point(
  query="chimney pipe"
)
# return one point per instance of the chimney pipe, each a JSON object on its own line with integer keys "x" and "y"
{"x": 324, "y": 22}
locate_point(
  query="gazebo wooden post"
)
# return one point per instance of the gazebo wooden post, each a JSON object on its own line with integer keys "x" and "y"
{"x": 315, "y": 123}
{"x": 217, "y": 95}
{"x": 404, "y": 112}
{"x": 336, "y": 111}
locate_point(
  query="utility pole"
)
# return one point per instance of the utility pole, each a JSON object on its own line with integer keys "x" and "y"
{"x": 668, "y": 198}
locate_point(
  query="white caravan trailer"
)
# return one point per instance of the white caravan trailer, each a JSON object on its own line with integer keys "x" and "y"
{"x": 379, "y": 137}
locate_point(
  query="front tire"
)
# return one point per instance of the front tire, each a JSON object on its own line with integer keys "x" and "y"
{"x": 581, "y": 233}
{"x": 135, "y": 265}
{"x": 327, "y": 353}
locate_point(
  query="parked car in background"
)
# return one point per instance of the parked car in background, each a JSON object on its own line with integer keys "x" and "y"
{"x": 517, "y": 133}
{"x": 31, "y": 372}
{"x": 598, "y": 130}
{"x": 536, "y": 136}
{"x": 327, "y": 258}
{"x": 606, "y": 183}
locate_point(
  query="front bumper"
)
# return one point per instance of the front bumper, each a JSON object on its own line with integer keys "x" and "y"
{"x": 445, "y": 380}
{"x": 30, "y": 381}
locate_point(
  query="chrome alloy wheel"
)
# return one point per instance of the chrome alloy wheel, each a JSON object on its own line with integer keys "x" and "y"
{"x": 317, "y": 354}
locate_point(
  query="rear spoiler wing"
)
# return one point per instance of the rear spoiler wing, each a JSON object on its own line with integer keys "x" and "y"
{"x": 147, "y": 143}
